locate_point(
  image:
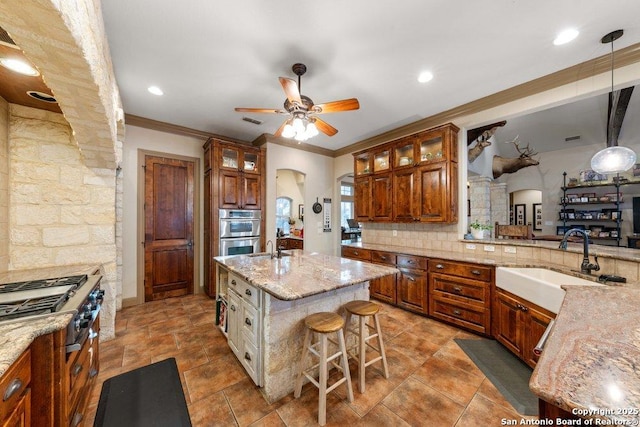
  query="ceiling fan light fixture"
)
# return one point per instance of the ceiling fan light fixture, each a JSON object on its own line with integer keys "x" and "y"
{"x": 613, "y": 159}
{"x": 312, "y": 130}
{"x": 288, "y": 131}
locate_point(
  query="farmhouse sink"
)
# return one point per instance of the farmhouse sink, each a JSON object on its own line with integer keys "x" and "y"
{"x": 538, "y": 285}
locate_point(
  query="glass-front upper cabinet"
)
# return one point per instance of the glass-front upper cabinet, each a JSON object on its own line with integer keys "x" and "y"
{"x": 239, "y": 159}
{"x": 430, "y": 148}
{"x": 382, "y": 161}
{"x": 404, "y": 153}
{"x": 363, "y": 164}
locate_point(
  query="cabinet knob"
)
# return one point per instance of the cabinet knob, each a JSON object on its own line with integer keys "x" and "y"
{"x": 233, "y": 282}
{"x": 384, "y": 258}
{"x": 356, "y": 253}
{"x": 247, "y": 356}
{"x": 439, "y": 266}
{"x": 247, "y": 321}
{"x": 457, "y": 312}
{"x": 233, "y": 308}
{"x": 247, "y": 292}
{"x": 457, "y": 289}
{"x": 15, "y": 385}
{"x": 476, "y": 272}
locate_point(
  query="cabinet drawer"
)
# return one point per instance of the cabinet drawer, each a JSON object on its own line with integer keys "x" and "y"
{"x": 382, "y": 257}
{"x": 250, "y": 322}
{"x": 250, "y": 360}
{"x": 245, "y": 290}
{"x": 467, "y": 316}
{"x": 13, "y": 384}
{"x": 356, "y": 253}
{"x": 460, "y": 288}
{"x": 471, "y": 271}
{"x": 409, "y": 261}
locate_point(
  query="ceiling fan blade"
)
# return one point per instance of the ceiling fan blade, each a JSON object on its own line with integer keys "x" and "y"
{"x": 336, "y": 106}
{"x": 281, "y": 128}
{"x": 259, "y": 110}
{"x": 291, "y": 90}
{"x": 325, "y": 127}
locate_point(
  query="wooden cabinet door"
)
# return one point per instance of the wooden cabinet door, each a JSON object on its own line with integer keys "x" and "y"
{"x": 431, "y": 193}
{"x": 508, "y": 324}
{"x": 403, "y": 189}
{"x": 362, "y": 192}
{"x": 250, "y": 197}
{"x": 381, "y": 197}
{"x": 536, "y": 324}
{"x": 411, "y": 290}
{"x": 230, "y": 189}
{"x": 384, "y": 288}
{"x": 21, "y": 415}
{"x": 234, "y": 316}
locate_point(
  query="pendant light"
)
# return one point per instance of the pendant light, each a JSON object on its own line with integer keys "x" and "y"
{"x": 613, "y": 159}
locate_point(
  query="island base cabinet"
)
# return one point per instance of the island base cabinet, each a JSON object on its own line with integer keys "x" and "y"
{"x": 519, "y": 324}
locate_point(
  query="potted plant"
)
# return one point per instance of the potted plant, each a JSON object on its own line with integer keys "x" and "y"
{"x": 477, "y": 229}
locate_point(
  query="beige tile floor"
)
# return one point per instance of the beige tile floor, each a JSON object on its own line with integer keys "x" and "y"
{"x": 431, "y": 383}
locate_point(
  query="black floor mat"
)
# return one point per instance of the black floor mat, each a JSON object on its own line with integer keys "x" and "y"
{"x": 148, "y": 396}
{"x": 506, "y": 372}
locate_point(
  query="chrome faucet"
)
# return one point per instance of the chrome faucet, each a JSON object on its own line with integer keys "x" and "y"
{"x": 586, "y": 266}
{"x": 269, "y": 241}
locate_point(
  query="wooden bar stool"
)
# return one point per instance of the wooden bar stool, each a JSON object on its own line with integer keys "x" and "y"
{"x": 323, "y": 324}
{"x": 364, "y": 309}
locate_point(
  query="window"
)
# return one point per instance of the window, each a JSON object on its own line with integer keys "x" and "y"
{"x": 347, "y": 208}
{"x": 283, "y": 213}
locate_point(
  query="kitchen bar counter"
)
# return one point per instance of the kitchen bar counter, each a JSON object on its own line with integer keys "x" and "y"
{"x": 589, "y": 366}
{"x": 302, "y": 274}
{"x": 291, "y": 288}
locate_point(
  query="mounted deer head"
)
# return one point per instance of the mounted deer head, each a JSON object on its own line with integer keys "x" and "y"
{"x": 483, "y": 142}
{"x": 502, "y": 165}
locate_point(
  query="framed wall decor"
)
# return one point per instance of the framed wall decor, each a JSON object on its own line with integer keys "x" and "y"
{"x": 537, "y": 216}
{"x": 520, "y": 214}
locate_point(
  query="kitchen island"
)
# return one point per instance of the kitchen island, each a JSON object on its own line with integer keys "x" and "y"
{"x": 263, "y": 302}
{"x": 589, "y": 366}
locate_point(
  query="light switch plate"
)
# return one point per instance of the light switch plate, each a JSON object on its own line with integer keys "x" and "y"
{"x": 394, "y": 233}
{"x": 489, "y": 248}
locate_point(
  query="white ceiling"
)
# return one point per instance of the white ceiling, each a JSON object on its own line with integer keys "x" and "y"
{"x": 211, "y": 56}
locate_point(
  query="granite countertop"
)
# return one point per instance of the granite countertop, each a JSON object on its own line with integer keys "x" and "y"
{"x": 16, "y": 335}
{"x": 303, "y": 273}
{"x": 590, "y": 360}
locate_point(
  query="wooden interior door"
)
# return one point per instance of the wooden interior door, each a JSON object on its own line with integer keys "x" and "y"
{"x": 169, "y": 223}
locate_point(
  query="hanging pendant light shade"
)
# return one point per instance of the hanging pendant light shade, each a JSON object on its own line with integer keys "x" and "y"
{"x": 613, "y": 159}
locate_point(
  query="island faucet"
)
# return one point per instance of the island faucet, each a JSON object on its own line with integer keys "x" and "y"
{"x": 269, "y": 241}
{"x": 586, "y": 266}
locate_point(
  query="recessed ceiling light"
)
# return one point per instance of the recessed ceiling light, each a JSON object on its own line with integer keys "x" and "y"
{"x": 425, "y": 76}
{"x": 41, "y": 96}
{"x": 155, "y": 90}
{"x": 566, "y": 36}
{"x": 19, "y": 66}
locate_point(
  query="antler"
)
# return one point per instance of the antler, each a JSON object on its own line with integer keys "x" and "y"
{"x": 526, "y": 152}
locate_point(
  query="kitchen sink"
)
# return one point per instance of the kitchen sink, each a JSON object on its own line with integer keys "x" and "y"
{"x": 538, "y": 285}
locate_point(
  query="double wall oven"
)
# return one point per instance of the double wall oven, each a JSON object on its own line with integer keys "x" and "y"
{"x": 239, "y": 231}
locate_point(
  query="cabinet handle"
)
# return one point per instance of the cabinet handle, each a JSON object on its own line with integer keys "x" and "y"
{"x": 457, "y": 312}
{"x": 247, "y": 292}
{"x": 476, "y": 272}
{"x": 233, "y": 282}
{"x": 233, "y": 308}
{"x": 384, "y": 258}
{"x": 15, "y": 385}
{"x": 77, "y": 369}
{"x": 93, "y": 372}
{"x": 439, "y": 266}
{"x": 247, "y": 321}
{"x": 411, "y": 279}
{"x": 410, "y": 261}
{"x": 76, "y": 419}
{"x": 457, "y": 289}
{"x": 247, "y": 356}
{"x": 356, "y": 253}
{"x": 523, "y": 308}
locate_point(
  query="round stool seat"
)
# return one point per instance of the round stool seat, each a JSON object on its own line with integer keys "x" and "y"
{"x": 324, "y": 322}
{"x": 362, "y": 308}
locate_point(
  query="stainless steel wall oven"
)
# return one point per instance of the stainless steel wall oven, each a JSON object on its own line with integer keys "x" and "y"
{"x": 239, "y": 231}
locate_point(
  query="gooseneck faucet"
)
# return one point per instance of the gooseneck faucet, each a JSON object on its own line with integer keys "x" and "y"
{"x": 586, "y": 266}
{"x": 269, "y": 241}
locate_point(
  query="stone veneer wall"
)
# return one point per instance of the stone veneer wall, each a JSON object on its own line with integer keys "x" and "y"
{"x": 61, "y": 211}
{"x": 4, "y": 185}
{"x": 499, "y": 203}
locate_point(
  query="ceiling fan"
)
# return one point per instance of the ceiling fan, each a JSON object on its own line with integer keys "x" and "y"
{"x": 302, "y": 123}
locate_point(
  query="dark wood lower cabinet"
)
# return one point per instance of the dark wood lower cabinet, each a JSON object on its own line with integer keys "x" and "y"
{"x": 519, "y": 324}
{"x": 411, "y": 290}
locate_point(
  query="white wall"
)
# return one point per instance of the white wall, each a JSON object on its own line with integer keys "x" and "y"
{"x": 318, "y": 171}
{"x": 290, "y": 184}
{"x": 144, "y": 139}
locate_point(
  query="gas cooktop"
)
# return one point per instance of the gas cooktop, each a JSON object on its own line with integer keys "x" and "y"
{"x": 36, "y": 297}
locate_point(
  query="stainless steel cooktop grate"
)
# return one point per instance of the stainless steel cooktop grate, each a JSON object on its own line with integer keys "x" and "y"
{"x": 75, "y": 281}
